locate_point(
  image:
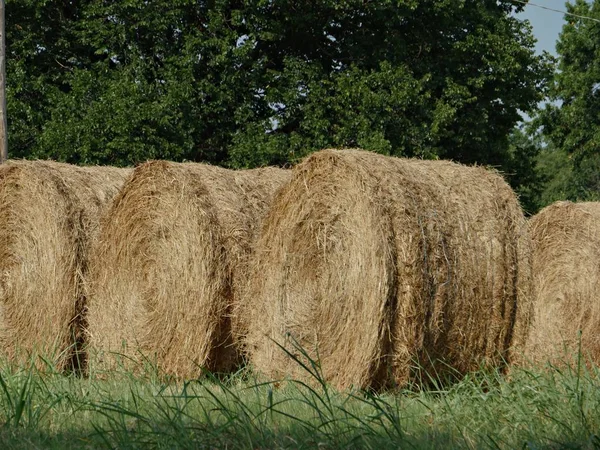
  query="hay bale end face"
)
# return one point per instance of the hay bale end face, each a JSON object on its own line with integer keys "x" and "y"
{"x": 49, "y": 214}
{"x": 373, "y": 264}
{"x": 566, "y": 265}
{"x": 168, "y": 265}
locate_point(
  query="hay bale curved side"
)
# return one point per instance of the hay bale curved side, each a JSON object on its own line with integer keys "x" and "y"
{"x": 372, "y": 264}
{"x": 480, "y": 307}
{"x": 172, "y": 251}
{"x": 323, "y": 273}
{"x": 49, "y": 214}
{"x": 566, "y": 264}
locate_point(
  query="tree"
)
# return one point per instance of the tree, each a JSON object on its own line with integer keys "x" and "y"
{"x": 42, "y": 49}
{"x": 555, "y": 169}
{"x": 539, "y": 172}
{"x": 415, "y": 78}
{"x": 252, "y": 82}
{"x": 521, "y": 169}
{"x": 572, "y": 121}
{"x": 3, "y": 122}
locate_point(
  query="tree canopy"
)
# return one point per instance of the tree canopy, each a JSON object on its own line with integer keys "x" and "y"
{"x": 252, "y": 82}
{"x": 571, "y": 121}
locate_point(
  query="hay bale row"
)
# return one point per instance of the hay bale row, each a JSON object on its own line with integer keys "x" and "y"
{"x": 372, "y": 264}
{"x": 49, "y": 214}
{"x": 375, "y": 264}
{"x": 169, "y": 265}
{"x": 566, "y": 264}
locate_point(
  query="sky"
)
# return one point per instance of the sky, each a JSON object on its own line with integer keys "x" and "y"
{"x": 546, "y": 24}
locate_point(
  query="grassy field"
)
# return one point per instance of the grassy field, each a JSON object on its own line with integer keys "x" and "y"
{"x": 543, "y": 408}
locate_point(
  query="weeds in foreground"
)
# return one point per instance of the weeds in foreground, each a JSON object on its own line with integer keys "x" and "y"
{"x": 549, "y": 407}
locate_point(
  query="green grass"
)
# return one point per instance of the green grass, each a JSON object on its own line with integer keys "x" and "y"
{"x": 545, "y": 408}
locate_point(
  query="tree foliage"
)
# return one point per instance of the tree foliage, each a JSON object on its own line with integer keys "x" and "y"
{"x": 521, "y": 169}
{"x": 571, "y": 123}
{"x": 252, "y": 82}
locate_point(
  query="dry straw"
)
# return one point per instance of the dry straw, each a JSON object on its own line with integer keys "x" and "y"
{"x": 566, "y": 263}
{"x": 49, "y": 214}
{"x": 168, "y": 265}
{"x": 375, "y": 264}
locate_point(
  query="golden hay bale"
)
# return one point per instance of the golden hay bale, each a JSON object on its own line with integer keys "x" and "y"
{"x": 566, "y": 267}
{"x": 376, "y": 263}
{"x": 172, "y": 251}
{"x": 49, "y": 213}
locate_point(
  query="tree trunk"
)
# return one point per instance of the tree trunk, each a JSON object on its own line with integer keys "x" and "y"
{"x": 3, "y": 130}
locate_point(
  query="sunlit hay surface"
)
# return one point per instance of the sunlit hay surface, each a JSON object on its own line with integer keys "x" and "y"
{"x": 566, "y": 263}
{"x": 49, "y": 214}
{"x": 171, "y": 254}
{"x": 373, "y": 264}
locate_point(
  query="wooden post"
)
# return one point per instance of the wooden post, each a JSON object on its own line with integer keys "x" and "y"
{"x": 3, "y": 127}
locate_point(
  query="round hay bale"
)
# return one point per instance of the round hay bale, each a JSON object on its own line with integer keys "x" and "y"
{"x": 373, "y": 265}
{"x": 172, "y": 252}
{"x": 49, "y": 214}
{"x": 566, "y": 267}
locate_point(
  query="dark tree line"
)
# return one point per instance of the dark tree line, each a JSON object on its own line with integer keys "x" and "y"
{"x": 569, "y": 125}
{"x": 243, "y": 83}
